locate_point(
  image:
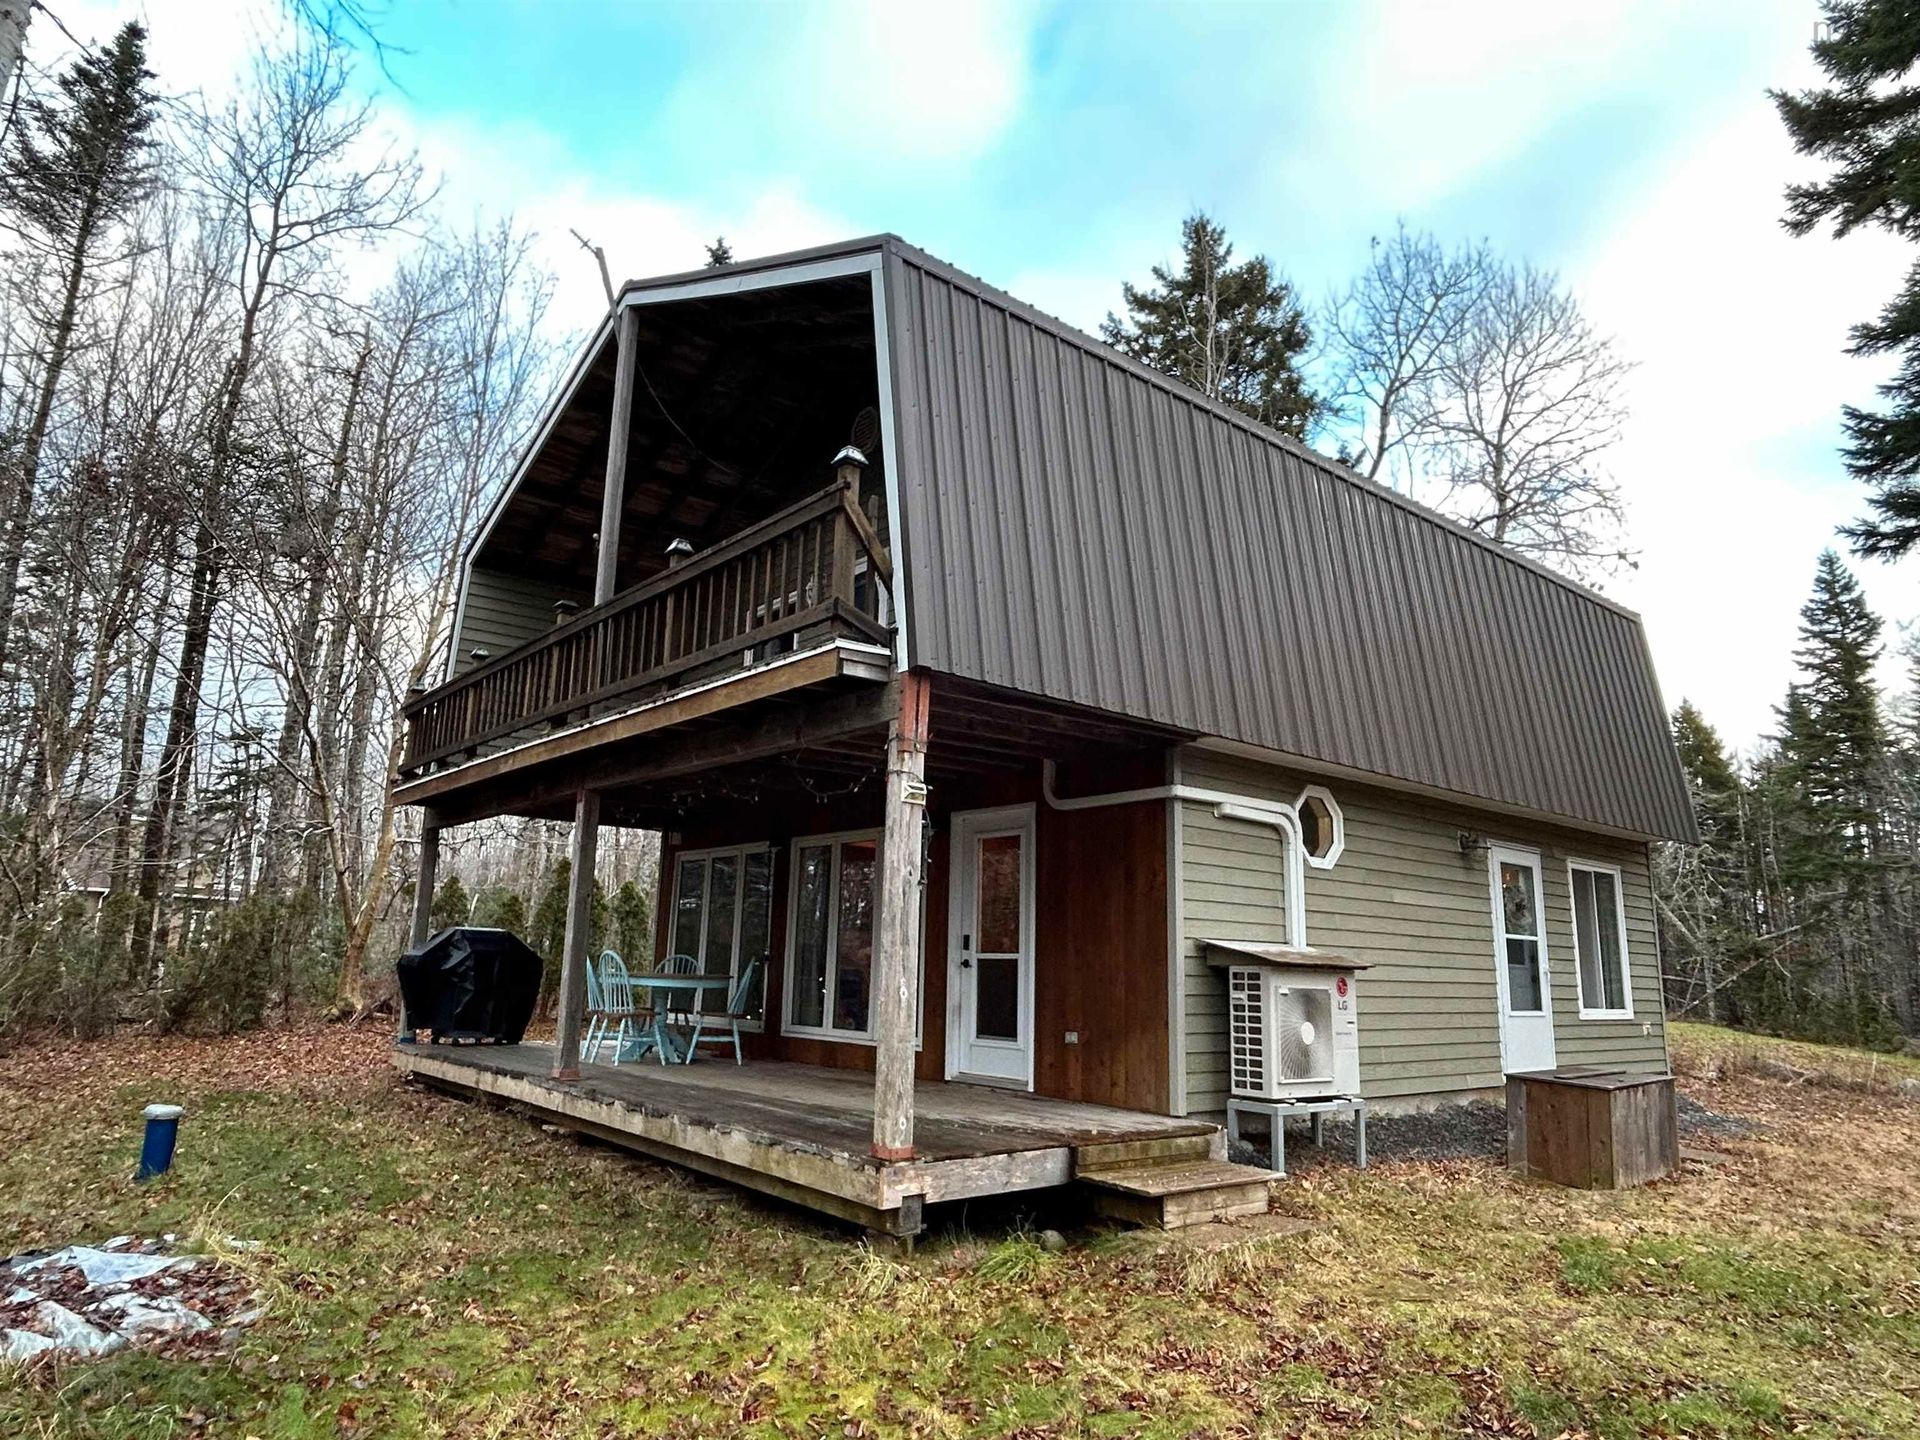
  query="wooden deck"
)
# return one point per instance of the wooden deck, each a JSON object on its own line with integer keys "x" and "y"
{"x": 801, "y": 1132}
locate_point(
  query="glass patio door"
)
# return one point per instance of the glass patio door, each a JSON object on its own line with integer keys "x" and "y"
{"x": 990, "y": 948}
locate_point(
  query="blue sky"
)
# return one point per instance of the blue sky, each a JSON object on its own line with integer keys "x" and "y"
{"x": 1054, "y": 148}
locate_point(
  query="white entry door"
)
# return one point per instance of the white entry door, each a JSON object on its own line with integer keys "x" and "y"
{"x": 990, "y": 948}
{"x": 1520, "y": 960}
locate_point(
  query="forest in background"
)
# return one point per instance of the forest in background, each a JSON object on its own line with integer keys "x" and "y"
{"x": 256, "y": 390}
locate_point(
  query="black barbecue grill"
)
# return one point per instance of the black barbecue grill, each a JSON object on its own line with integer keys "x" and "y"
{"x": 469, "y": 985}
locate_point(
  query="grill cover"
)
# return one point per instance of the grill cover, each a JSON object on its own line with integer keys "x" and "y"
{"x": 471, "y": 984}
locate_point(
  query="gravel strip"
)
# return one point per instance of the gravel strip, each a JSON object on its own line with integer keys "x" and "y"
{"x": 1451, "y": 1132}
{"x": 1697, "y": 1121}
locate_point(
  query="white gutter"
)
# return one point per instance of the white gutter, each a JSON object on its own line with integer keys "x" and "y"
{"x": 1227, "y": 806}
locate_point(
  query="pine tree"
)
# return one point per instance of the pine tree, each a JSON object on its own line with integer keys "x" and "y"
{"x": 1233, "y": 332}
{"x": 450, "y": 906}
{"x": 719, "y": 252}
{"x": 73, "y": 168}
{"x": 1865, "y": 124}
{"x": 632, "y": 924}
{"x": 1833, "y": 742}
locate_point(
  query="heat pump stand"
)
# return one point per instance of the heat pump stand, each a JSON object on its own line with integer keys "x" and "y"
{"x": 1278, "y": 1112}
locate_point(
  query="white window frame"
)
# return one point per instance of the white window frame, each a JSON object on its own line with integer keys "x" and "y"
{"x": 739, "y": 852}
{"x": 1339, "y": 821}
{"x": 788, "y": 1025}
{"x": 1593, "y": 1012}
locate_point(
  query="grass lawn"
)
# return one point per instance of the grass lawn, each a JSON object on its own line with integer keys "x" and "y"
{"x": 437, "y": 1268}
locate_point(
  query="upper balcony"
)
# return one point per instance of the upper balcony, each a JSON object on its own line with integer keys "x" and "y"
{"x": 664, "y": 545}
{"x": 808, "y": 575}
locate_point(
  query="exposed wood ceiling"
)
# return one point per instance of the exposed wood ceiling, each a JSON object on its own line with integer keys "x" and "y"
{"x": 740, "y": 403}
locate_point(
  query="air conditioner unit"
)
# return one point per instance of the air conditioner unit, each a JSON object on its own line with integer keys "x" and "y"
{"x": 1293, "y": 1031}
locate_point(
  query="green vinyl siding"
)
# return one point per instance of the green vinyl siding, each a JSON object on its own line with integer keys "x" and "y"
{"x": 1404, "y": 898}
{"x": 503, "y": 612}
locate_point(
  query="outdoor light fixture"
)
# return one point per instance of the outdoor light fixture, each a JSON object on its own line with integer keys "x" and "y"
{"x": 1470, "y": 842}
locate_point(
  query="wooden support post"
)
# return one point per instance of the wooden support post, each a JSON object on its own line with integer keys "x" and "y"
{"x": 425, "y": 883}
{"x": 897, "y": 948}
{"x": 613, "y": 496}
{"x": 573, "y": 954}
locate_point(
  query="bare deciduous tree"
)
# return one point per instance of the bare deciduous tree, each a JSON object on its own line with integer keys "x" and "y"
{"x": 1482, "y": 389}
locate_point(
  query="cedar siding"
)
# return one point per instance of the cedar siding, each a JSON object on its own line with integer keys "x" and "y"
{"x": 1404, "y": 898}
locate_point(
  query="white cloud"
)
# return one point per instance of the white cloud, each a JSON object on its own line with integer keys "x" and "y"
{"x": 488, "y": 171}
{"x": 1726, "y": 463}
{"x": 885, "y": 84}
{"x": 1424, "y": 93}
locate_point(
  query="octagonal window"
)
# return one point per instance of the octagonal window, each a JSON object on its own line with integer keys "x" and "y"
{"x": 1322, "y": 827}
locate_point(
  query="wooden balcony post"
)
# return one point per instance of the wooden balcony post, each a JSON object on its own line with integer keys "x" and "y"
{"x": 425, "y": 883}
{"x": 896, "y": 950}
{"x": 613, "y": 495}
{"x": 847, "y": 466}
{"x": 573, "y": 954}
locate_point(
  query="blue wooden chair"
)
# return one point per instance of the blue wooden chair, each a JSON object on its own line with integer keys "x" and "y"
{"x": 596, "y": 1012}
{"x": 739, "y": 1003}
{"x": 615, "y": 1012}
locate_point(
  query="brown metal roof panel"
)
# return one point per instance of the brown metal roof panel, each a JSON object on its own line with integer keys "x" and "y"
{"x": 1078, "y": 528}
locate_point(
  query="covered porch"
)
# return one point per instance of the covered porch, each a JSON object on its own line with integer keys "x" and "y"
{"x": 803, "y": 1133}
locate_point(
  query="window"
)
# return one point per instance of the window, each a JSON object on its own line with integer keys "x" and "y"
{"x": 1600, "y": 942}
{"x": 1520, "y": 936}
{"x": 722, "y": 904}
{"x": 831, "y": 934}
{"x": 1323, "y": 829}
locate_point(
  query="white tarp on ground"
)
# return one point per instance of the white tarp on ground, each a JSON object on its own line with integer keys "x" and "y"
{"x": 85, "y": 1301}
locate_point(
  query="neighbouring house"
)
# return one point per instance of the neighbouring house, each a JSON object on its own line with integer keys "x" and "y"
{"x": 978, "y": 677}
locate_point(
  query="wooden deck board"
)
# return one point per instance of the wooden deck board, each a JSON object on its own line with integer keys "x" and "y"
{"x": 806, "y": 1126}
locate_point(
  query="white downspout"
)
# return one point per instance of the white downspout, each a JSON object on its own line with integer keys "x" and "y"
{"x": 1227, "y": 805}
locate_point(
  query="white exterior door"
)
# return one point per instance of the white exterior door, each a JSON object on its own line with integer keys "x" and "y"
{"x": 1520, "y": 960}
{"x": 990, "y": 948}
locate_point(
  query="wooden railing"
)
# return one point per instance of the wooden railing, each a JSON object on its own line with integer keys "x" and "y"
{"x": 743, "y": 600}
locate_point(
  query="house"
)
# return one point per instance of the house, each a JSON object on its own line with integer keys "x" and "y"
{"x": 978, "y": 678}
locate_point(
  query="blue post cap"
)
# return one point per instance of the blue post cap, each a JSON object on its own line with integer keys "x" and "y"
{"x": 164, "y": 1112}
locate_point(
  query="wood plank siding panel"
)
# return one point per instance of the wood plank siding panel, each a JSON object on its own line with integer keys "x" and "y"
{"x": 1077, "y": 527}
{"x": 503, "y": 612}
{"x": 1403, "y": 897}
{"x": 1100, "y": 963}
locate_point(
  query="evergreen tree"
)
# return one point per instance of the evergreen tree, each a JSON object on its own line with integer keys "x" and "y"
{"x": 1233, "y": 332}
{"x": 632, "y": 924}
{"x": 74, "y": 166}
{"x": 719, "y": 252}
{"x": 499, "y": 908}
{"x": 547, "y": 930}
{"x": 1865, "y": 124}
{"x": 450, "y": 906}
{"x": 1833, "y": 743}
{"x": 1704, "y": 758}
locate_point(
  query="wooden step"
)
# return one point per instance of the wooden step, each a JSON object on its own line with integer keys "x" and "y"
{"x": 1170, "y": 1193}
{"x": 1125, "y": 1154}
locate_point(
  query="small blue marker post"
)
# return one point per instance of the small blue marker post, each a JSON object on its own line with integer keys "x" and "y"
{"x": 156, "y": 1150}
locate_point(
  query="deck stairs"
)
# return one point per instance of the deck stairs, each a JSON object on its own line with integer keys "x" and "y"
{"x": 1170, "y": 1182}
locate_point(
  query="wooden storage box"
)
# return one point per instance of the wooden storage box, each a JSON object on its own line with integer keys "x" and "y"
{"x": 1592, "y": 1129}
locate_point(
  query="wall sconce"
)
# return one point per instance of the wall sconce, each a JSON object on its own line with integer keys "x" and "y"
{"x": 1470, "y": 842}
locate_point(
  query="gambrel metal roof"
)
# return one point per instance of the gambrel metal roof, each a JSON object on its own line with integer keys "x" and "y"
{"x": 1074, "y": 525}
{"x": 1081, "y": 527}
